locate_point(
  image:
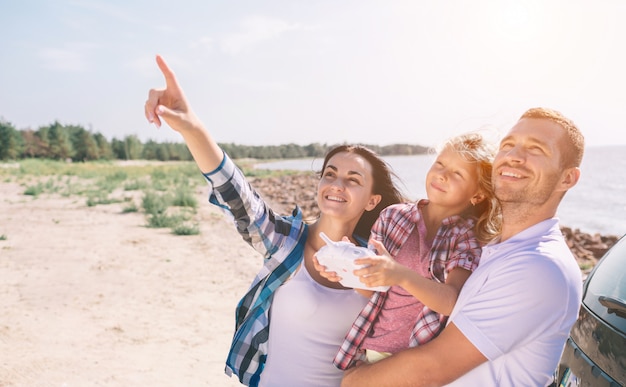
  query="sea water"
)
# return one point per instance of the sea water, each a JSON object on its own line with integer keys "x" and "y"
{"x": 595, "y": 205}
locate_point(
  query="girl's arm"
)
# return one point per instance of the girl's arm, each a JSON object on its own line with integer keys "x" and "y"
{"x": 440, "y": 297}
{"x": 383, "y": 270}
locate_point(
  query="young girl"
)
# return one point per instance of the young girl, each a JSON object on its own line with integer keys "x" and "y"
{"x": 436, "y": 243}
{"x": 309, "y": 315}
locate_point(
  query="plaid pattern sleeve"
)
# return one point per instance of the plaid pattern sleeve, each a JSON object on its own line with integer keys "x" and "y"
{"x": 395, "y": 224}
{"x": 280, "y": 240}
{"x": 455, "y": 245}
{"x": 255, "y": 221}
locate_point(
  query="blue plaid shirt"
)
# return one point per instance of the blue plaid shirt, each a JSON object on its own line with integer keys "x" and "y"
{"x": 280, "y": 240}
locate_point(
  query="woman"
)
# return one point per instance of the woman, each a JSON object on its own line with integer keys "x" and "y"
{"x": 309, "y": 314}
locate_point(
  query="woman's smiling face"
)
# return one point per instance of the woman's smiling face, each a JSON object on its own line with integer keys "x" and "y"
{"x": 345, "y": 187}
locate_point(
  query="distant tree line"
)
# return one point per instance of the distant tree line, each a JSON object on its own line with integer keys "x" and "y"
{"x": 74, "y": 142}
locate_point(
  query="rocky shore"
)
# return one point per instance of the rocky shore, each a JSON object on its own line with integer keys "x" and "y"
{"x": 285, "y": 191}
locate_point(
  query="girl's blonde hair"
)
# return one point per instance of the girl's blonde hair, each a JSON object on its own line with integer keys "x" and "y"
{"x": 474, "y": 148}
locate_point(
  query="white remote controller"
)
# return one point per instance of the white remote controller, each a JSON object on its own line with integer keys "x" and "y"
{"x": 339, "y": 257}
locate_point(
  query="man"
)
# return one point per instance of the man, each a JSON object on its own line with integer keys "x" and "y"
{"x": 514, "y": 313}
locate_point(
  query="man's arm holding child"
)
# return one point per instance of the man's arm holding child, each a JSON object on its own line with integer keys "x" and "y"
{"x": 441, "y": 361}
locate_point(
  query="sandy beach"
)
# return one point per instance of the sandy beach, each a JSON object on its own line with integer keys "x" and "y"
{"x": 92, "y": 297}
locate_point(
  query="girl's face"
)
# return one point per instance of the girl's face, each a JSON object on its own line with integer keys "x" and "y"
{"x": 345, "y": 188}
{"x": 452, "y": 181}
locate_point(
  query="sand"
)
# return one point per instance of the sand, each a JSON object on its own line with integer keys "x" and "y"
{"x": 92, "y": 297}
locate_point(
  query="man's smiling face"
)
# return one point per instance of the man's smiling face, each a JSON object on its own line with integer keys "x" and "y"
{"x": 527, "y": 168}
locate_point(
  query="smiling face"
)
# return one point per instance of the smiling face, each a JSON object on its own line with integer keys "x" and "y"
{"x": 345, "y": 187}
{"x": 452, "y": 181}
{"x": 527, "y": 169}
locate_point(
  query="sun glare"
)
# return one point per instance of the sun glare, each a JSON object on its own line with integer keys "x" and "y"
{"x": 515, "y": 21}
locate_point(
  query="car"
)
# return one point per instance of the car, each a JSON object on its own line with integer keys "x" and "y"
{"x": 595, "y": 351}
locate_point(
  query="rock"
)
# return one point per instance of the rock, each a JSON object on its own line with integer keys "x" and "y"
{"x": 284, "y": 192}
{"x": 587, "y": 248}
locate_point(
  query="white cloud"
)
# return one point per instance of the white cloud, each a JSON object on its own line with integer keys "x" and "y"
{"x": 255, "y": 29}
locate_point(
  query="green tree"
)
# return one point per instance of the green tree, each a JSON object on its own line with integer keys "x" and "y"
{"x": 32, "y": 144}
{"x": 162, "y": 153}
{"x": 292, "y": 151}
{"x": 178, "y": 151}
{"x": 84, "y": 144}
{"x": 315, "y": 150}
{"x": 104, "y": 147}
{"x": 150, "y": 150}
{"x": 117, "y": 147}
{"x": 132, "y": 147}
{"x": 60, "y": 144}
{"x": 10, "y": 141}
{"x": 43, "y": 134}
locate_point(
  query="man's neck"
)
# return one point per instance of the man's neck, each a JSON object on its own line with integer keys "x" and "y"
{"x": 517, "y": 218}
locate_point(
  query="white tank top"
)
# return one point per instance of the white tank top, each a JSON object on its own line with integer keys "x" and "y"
{"x": 308, "y": 323}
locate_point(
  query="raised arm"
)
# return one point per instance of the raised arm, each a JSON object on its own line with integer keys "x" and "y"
{"x": 170, "y": 104}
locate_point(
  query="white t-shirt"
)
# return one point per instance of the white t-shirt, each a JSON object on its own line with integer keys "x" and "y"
{"x": 308, "y": 325}
{"x": 518, "y": 307}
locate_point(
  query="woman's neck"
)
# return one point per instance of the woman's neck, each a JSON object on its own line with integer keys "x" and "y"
{"x": 314, "y": 243}
{"x": 333, "y": 231}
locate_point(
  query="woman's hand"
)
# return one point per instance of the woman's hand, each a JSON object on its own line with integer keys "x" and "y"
{"x": 170, "y": 103}
{"x": 329, "y": 275}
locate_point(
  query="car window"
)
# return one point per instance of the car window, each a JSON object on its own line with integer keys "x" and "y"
{"x": 608, "y": 282}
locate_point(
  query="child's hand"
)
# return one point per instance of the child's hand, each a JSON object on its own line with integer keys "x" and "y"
{"x": 381, "y": 270}
{"x": 329, "y": 275}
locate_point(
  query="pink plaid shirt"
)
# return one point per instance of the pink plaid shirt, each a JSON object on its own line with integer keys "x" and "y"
{"x": 454, "y": 246}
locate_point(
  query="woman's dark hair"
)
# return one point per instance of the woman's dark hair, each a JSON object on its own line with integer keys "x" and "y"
{"x": 383, "y": 185}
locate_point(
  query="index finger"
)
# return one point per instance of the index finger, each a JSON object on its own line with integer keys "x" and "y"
{"x": 170, "y": 78}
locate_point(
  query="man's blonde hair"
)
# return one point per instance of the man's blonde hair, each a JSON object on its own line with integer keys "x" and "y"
{"x": 573, "y": 156}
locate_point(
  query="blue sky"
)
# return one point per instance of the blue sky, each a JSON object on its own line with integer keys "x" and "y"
{"x": 328, "y": 71}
